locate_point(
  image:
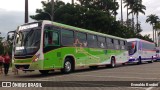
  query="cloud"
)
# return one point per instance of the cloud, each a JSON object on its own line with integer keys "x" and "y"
{"x": 10, "y": 20}
{"x": 152, "y": 7}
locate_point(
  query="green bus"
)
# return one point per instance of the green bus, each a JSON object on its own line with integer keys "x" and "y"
{"x": 47, "y": 46}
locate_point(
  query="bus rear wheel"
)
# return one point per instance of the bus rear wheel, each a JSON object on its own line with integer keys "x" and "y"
{"x": 151, "y": 61}
{"x": 113, "y": 62}
{"x": 67, "y": 66}
{"x": 44, "y": 72}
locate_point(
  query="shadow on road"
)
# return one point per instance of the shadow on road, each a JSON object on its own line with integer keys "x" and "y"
{"x": 58, "y": 73}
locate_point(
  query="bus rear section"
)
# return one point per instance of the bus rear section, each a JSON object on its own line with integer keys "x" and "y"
{"x": 141, "y": 51}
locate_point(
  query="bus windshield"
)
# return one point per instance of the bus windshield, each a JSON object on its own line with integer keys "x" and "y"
{"x": 132, "y": 47}
{"x": 27, "y": 41}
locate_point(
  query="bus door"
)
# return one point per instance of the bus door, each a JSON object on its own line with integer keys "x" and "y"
{"x": 51, "y": 46}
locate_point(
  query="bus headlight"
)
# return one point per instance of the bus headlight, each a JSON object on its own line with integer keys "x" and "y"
{"x": 36, "y": 57}
{"x": 130, "y": 57}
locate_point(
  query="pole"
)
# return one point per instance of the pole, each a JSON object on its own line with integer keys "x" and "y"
{"x": 26, "y": 11}
{"x": 72, "y": 2}
{"x": 121, "y": 13}
{"x": 52, "y": 12}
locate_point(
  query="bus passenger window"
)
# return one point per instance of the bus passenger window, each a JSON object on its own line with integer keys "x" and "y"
{"x": 51, "y": 38}
{"x": 55, "y": 38}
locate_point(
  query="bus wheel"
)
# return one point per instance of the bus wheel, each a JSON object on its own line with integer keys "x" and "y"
{"x": 67, "y": 66}
{"x": 139, "y": 61}
{"x": 44, "y": 72}
{"x": 123, "y": 64}
{"x": 113, "y": 62}
{"x": 151, "y": 61}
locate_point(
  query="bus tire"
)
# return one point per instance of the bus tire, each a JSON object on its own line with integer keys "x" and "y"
{"x": 123, "y": 64}
{"x": 44, "y": 72}
{"x": 151, "y": 61}
{"x": 67, "y": 67}
{"x": 113, "y": 62}
{"x": 139, "y": 61}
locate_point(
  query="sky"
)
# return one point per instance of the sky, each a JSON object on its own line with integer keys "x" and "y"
{"x": 12, "y": 13}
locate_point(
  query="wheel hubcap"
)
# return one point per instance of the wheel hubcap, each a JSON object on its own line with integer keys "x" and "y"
{"x": 68, "y": 66}
{"x": 113, "y": 64}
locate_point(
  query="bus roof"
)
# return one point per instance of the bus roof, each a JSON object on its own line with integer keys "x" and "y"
{"x": 84, "y": 30}
{"x": 137, "y": 39}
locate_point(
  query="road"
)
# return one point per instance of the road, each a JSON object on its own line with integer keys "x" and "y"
{"x": 144, "y": 72}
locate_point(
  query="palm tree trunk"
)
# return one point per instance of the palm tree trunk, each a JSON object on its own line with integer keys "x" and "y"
{"x": 153, "y": 33}
{"x": 137, "y": 22}
{"x": 156, "y": 36}
{"x": 133, "y": 21}
{"x": 127, "y": 16}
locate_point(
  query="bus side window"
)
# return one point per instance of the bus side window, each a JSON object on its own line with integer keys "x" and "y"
{"x": 51, "y": 38}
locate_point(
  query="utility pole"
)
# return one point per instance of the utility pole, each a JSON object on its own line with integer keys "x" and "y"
{"x": 121, "y": 12}
{"x": 52, "y": 12}
{"x": 26, "y": 11}
{"x": 72, "y": 2}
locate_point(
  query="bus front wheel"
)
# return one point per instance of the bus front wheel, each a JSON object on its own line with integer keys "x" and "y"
{"x": 139, "y": 61}
{"x": 67, "y": 66}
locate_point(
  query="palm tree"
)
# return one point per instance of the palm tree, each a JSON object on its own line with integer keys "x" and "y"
{"x": 127, "y": 4}
{"x": 152, "y": 19}
{"x": 137, "y": 8}
{"x": 115, "y": 8}
{"x": 157, "y": 26}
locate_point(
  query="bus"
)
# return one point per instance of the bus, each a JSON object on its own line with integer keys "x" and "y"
{"x": 158, "y": 53}
{"x": 47, "y": 46}
{"x": 141, "y": 51}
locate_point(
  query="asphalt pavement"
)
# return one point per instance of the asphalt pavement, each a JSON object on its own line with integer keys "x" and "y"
{"x": 87, "y": 79}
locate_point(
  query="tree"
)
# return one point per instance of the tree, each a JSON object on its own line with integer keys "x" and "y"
{"x": 95, "y": 15}
{"x": 157, "y": 28}
{"x": 131, "y": 3}
{"x": 138, "y": 8}
{"x": 115, "y": 8}
{"x": 109, "y": 6}
{"x": 152, "y": 19}
{"x": 128, "y": 4}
